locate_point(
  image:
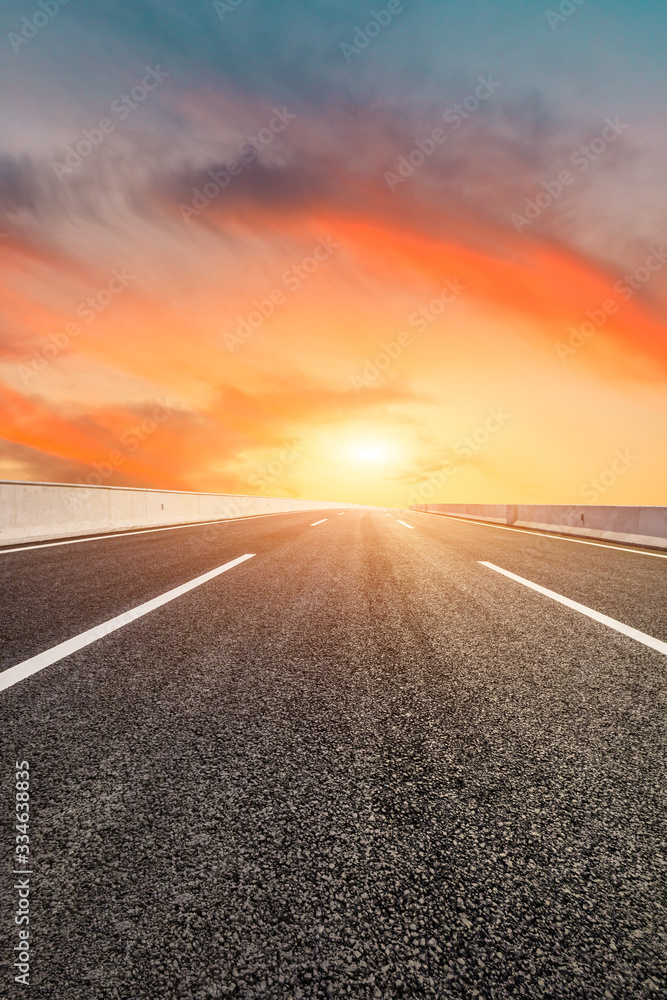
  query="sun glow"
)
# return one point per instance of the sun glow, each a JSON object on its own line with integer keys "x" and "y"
{"x": 360, "y": 450}
{"x": 370, "y": 452}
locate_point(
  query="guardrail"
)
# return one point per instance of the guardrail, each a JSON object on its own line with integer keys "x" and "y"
{"x": 32, "y": 512}
{"x": 630, "y": 525}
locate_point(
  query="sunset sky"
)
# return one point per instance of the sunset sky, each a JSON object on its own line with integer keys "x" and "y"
{"x": 372, "y": 253}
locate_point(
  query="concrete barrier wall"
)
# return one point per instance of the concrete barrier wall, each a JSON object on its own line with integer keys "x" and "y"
{"x": 632, "y": 525}
{"x": 31, "y": 512}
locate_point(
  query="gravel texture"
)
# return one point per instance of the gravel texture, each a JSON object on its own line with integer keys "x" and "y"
{"x": 358, "y": 765}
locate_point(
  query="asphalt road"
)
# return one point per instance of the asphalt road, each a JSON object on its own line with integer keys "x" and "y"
{"x": 358, "y": 764}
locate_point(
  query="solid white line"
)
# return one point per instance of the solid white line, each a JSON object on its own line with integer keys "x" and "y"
{"x": 407, "y": 525}
{"x": 633, "y": 633}
{"x": 543, "y": 534}
{"x": 22, "y": 670}
{"x": 319, "y": 522}
{"x": 147, "y": 531}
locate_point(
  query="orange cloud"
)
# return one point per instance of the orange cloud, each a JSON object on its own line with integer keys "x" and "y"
{"x": 165, "y": 333}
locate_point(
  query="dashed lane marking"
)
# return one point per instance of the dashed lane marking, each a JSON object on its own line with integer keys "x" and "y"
{"x": 20, "y": 671}
{"x": 632, "y": 633}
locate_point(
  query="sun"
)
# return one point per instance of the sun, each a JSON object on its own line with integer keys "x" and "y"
{"x": 359, "y": 452}
{"x": 370, "y": 452}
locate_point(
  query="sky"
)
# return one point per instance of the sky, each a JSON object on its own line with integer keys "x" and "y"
{"x": 393, "y": 254}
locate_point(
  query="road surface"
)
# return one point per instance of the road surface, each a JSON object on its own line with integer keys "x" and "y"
{"x": 362, "y": 762}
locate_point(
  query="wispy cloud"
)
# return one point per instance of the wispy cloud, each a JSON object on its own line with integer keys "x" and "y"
{"x": 349, "y": 124}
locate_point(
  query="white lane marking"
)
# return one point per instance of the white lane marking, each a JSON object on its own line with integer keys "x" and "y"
{"x": 314, "y": 525}
{"x": 20, "y": 671}
{"x": 340, "y": 514}
{"x": 406, "y": 525}
{"x": 633, "y": 633}
{"x": 148, "y": 531}
{"x": 388, "y": 515}
{"x": 543, "y": 534}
